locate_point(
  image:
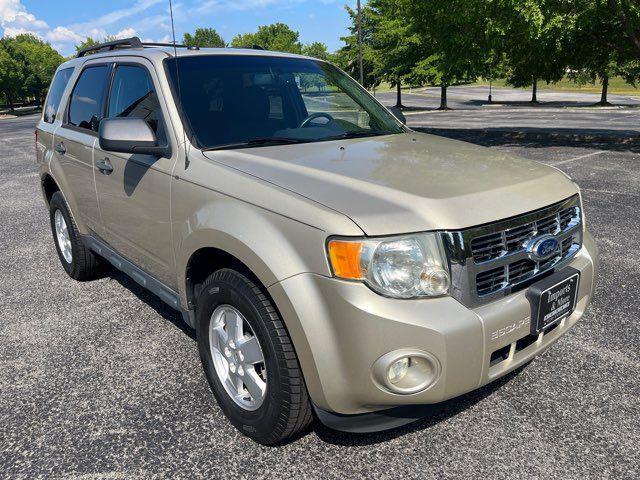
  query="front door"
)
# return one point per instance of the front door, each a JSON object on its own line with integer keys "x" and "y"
{"x": 134, "y": 190}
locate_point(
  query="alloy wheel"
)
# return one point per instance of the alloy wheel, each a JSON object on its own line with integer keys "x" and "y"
{"x": 237, "y": 357}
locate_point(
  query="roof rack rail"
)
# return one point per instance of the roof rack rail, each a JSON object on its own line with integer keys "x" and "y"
{"x": 133, "y": 42}
{"x": 177, "y": 45}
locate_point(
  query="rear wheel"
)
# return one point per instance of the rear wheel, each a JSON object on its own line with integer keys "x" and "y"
{"x": 78, "y": 261}
{"x": 249, "y": 360}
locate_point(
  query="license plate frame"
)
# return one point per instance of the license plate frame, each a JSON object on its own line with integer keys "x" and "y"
{"x": 553, "y": 299}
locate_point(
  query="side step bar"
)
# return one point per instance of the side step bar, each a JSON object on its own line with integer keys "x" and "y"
{"x": 166, "y": 294}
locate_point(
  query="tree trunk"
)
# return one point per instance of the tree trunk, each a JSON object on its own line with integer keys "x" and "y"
{"x": 443, "y": 97}
{"x": 605, "y": 89}
{"x": 399, "y": 94}
{"x": 534, "y": 93}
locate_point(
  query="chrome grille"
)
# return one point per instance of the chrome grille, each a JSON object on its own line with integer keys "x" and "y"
{"x": 491, "y": 261}
{"x": 496, "y": 245}
{"x": 488, "y": 247}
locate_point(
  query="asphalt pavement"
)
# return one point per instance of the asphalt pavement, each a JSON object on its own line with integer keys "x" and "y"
{"x": 102, "y": 380}
{"x": 476, "y": 98}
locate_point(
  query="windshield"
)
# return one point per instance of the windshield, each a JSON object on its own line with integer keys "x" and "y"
{"x": 239, "y": 101}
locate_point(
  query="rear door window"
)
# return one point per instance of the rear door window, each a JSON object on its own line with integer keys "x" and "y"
{"x": 86, "y": 106}
{"x": 133, "y": 95}
{"x": 56, "y": 90}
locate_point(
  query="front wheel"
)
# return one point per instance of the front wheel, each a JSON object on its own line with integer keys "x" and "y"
{"x": 249, "y": 360}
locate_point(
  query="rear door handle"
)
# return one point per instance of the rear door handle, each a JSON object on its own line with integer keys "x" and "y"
{"x": 104, "y": 165}
{"x": 60, "y": 148}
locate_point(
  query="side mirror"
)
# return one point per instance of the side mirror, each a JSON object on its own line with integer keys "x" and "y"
{"x": 398, "y": 114}
{"x": 129, "y": 135}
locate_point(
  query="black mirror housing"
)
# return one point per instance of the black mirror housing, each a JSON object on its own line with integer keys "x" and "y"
{"x": 398, "y": 114}
{"x": 129, "y": 135}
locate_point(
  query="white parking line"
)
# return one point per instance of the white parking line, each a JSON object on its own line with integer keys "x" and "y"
{"x": 611, "y": 192}
{"x": 593, "y": 154}
{"x": 9, "y": 139}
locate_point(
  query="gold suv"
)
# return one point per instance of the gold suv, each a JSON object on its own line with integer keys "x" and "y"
{"x": 332, "y": 261}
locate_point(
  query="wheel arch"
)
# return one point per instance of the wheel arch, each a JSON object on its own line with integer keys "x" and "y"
{"x": 211, "y": 250}
{"x": 49, "y": 186}
{"x": 227, "y": 232}
{"x": 206, "y": 260}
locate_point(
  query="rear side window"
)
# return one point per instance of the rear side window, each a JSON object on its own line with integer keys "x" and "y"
{"x": 132, "y": 95}
{"x": 55, "y": 94}
{"x": 87, "y": 100}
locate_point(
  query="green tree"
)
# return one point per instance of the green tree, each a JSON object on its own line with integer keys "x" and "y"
{"x": 453, "y": 35}
{"x": 596, "y": 52}
{"x": 245, "y": 40}
{"x": 627, "y": 17}
{"x": 42, "y": 62}
{"x": 91, "y": 42}
{"x": 204, "y": 38}
{"x": 396, "y": 47}
{"x": 316, "y": 50}
{"x": 12, "y": 71}
{"x": 276, "y": 37}
{"x": 347, "y": 56}
{"x": 27, "y": 65}
{"x": 536, "y": 37}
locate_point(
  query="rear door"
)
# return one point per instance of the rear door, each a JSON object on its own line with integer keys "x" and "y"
{"x": 134, "y": 195}
{"x": 50, "y": 119}
{"x": 74, "y": 140}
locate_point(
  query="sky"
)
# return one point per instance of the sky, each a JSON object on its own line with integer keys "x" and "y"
{"x": 64, "y": 23}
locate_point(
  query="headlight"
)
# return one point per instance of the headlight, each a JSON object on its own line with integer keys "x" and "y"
{"x": 408, "y": 266}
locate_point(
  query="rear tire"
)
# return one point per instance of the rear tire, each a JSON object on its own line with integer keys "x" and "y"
{"x": 78, "y": 261}
{"x": 280, "y": 410}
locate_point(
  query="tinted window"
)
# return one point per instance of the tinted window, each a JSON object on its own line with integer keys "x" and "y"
{"x": 234, "y": 101}
{"x": 87, "y": 99}
{"x": 133, "y": 95}
{"x": 55, "y": 94}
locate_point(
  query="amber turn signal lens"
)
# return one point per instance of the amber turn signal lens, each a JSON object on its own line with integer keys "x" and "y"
{"x": 345, "y": 258}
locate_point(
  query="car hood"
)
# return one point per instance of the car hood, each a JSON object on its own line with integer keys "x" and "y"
{"x": 406, "y": 182}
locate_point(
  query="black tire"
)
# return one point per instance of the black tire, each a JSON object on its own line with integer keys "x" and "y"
{"x": 84, "y": 264}
{"x": 286, "y": 409}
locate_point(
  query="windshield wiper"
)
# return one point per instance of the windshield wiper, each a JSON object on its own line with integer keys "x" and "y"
{"x": 253, "y": 142}
{"x": 358, "y": 134}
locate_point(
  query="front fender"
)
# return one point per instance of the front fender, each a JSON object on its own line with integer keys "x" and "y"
{"x": 272, "y": 246}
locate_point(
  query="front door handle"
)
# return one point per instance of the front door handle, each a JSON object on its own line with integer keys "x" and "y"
{"x": 104, "y": 165}
{"x": 60, "y": 148}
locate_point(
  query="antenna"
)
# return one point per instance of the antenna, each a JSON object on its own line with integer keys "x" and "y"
{"x": 175, "y": 56}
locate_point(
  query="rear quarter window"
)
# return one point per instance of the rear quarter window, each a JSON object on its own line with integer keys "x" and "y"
{"x": 56, "y": 90}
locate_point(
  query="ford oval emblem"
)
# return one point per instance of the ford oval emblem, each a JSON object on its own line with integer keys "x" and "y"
{"x": 542, "y": 247}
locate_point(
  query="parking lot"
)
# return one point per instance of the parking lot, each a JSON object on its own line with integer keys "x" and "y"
{"x": 101, "y": 380}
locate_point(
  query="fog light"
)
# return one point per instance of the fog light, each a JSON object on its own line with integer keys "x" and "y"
{"x": 398, "y": 370}
{"x": 406, "y": 371}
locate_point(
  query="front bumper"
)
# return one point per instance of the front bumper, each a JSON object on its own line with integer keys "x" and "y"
{"x": 341, "y": 328}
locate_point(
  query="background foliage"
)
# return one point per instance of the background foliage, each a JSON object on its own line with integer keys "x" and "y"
{"x": 27, "y": 65}
{"x": 435, "y": 42}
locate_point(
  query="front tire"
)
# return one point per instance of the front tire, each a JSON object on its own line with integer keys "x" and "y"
{"x": 249, "y": 360}
{"x": 78, "y": 261}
